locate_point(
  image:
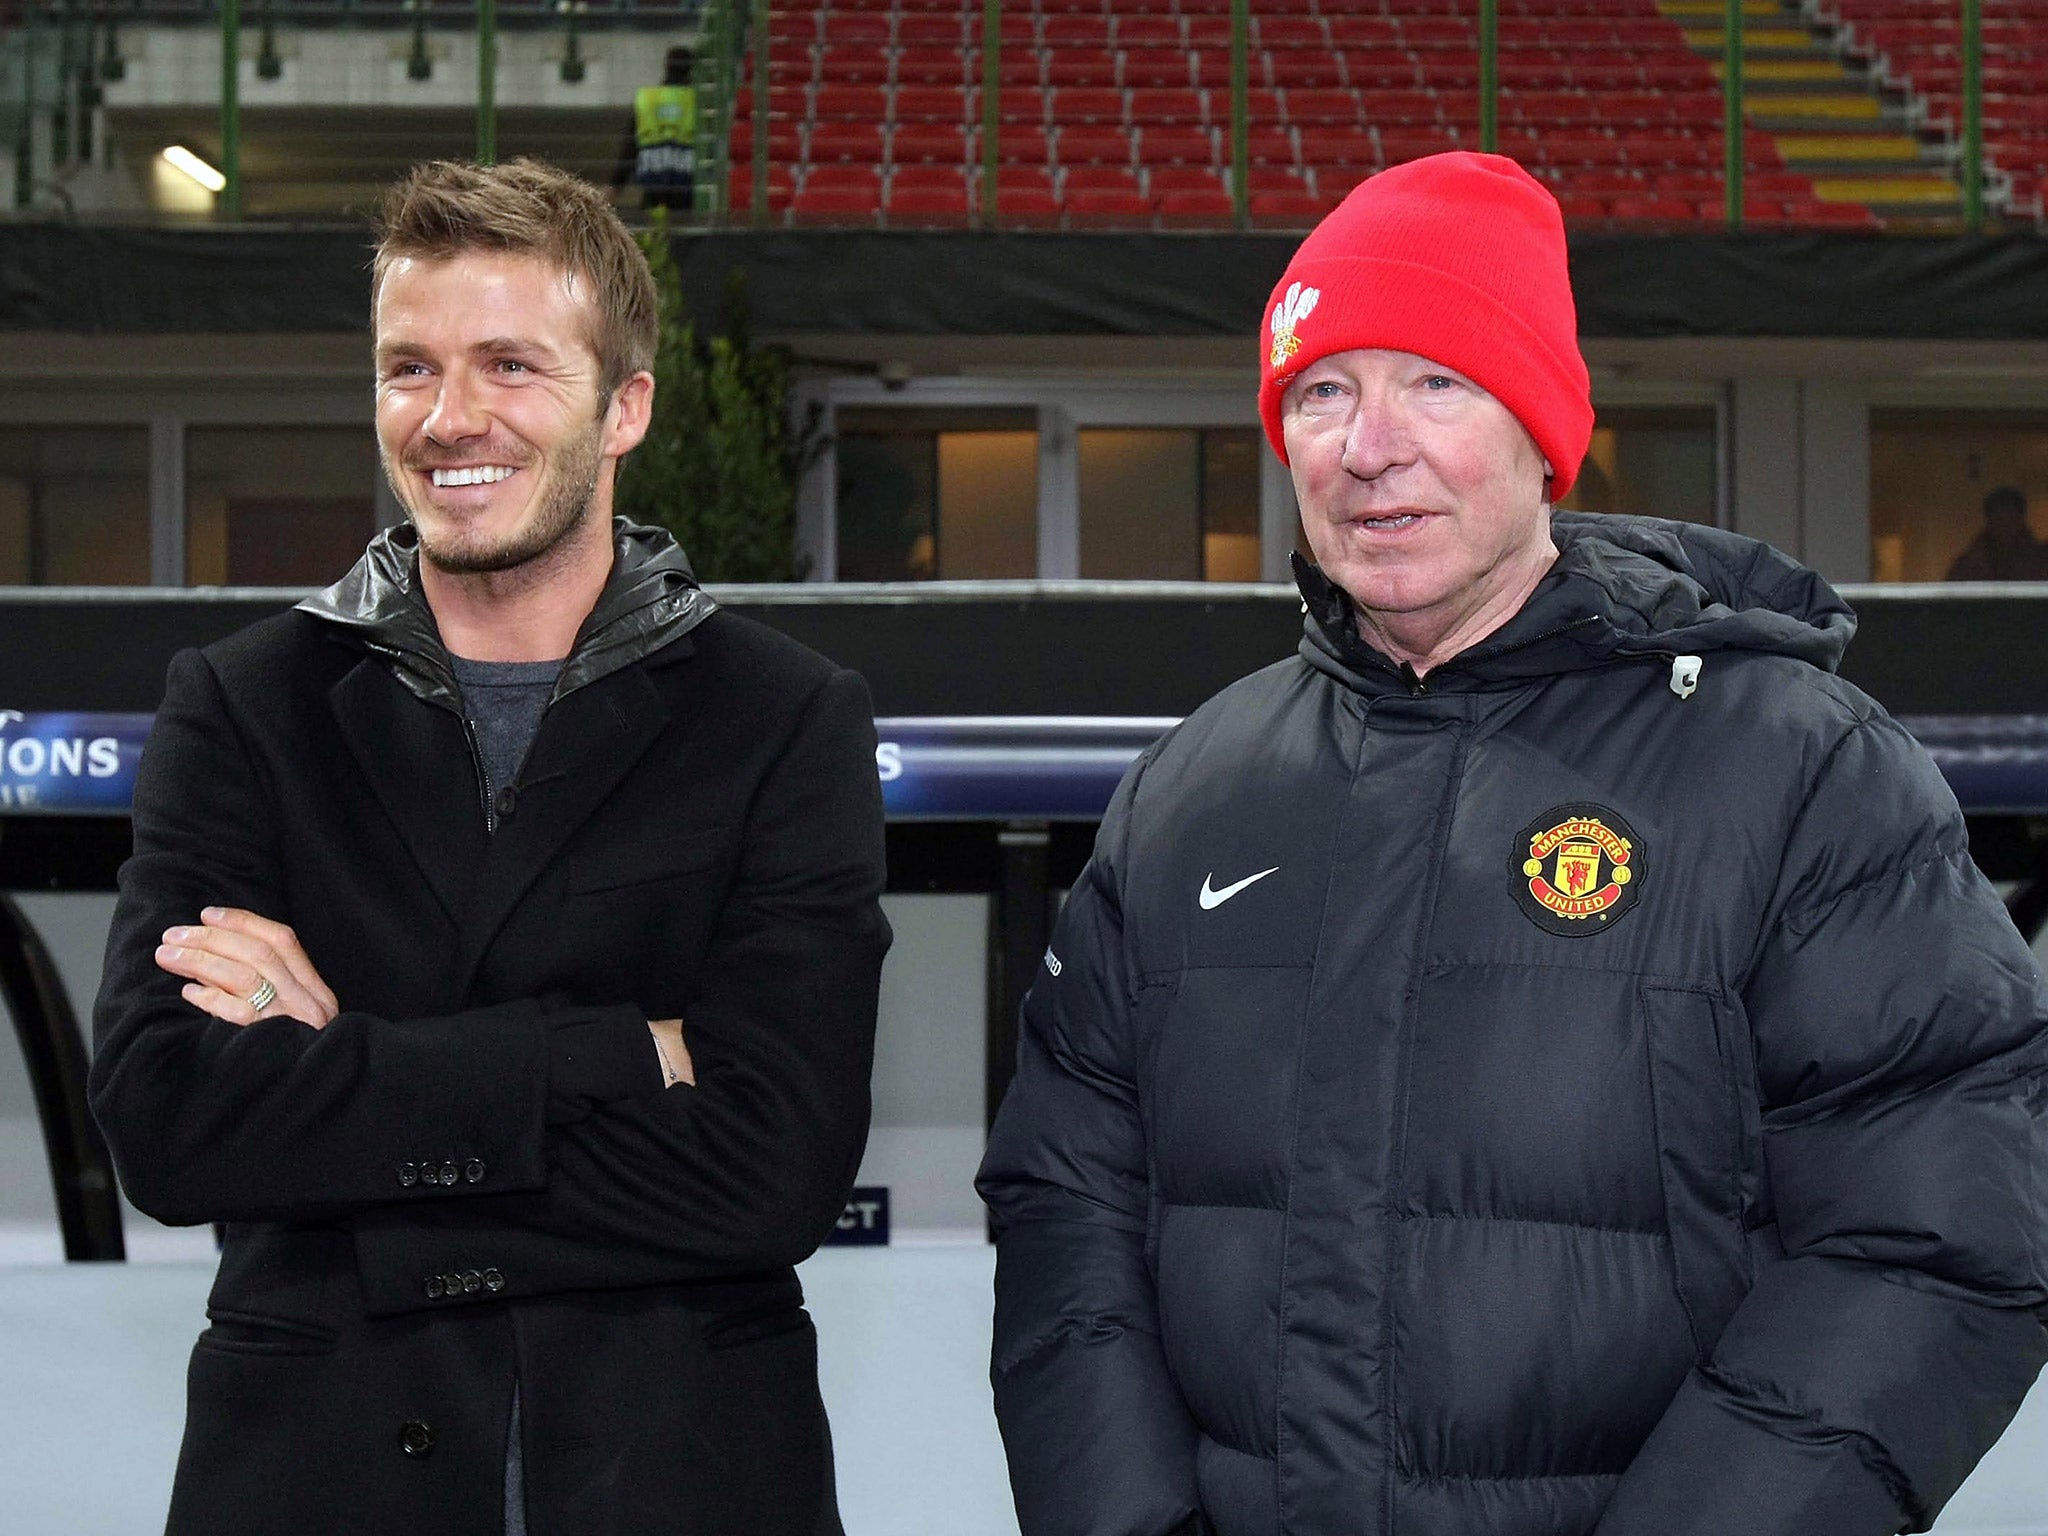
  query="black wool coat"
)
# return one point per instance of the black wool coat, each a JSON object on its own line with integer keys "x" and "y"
{"x": 1588, "y": 1090}
{"x": 474, "y": 1174}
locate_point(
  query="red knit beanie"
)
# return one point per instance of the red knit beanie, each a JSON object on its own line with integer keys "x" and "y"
{"x": 1459, "y": 258}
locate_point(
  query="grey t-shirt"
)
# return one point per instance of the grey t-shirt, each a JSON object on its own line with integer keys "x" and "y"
{"x": 504, "y": 701}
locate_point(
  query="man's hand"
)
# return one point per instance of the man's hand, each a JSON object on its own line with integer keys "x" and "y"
{"x": 676, "y": 1066}
{"x": 229, "y": 958}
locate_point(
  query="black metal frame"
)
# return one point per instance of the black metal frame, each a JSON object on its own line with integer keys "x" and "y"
{"x": 81, "y": 1171}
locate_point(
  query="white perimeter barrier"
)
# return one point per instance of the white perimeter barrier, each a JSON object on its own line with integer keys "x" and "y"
{"x": 92, "y": 1368}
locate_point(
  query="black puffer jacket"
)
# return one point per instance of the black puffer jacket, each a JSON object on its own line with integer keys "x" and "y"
{"x": 1528, "y": 1101}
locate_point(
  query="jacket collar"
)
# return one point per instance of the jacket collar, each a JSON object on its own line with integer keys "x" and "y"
{"x": 650, "y": 601}
{"x": 1623, "y": 588}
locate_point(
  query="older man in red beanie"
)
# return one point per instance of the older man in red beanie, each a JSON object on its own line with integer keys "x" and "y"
{"x": 1540, "y": 1061}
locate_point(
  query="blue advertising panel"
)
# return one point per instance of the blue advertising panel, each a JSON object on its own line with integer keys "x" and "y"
{"x": 69, "y": 764}
{"x": 960, "y": 767}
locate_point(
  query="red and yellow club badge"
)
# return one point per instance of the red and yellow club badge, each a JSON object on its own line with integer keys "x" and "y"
{"x": 1577, "y": 868}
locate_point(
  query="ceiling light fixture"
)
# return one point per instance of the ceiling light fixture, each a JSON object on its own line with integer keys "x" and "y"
{"x": 182, "y": 158}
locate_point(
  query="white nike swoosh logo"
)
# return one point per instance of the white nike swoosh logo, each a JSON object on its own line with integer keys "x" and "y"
{"x": 1213, "y": 899}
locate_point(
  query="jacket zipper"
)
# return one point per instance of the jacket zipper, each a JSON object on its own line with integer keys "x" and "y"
{"x": 483, "y": 775}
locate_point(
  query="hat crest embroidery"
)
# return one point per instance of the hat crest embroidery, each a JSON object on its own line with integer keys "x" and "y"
{"x": 1287, "y": 314}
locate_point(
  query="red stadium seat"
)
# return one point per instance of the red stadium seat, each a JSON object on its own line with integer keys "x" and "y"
{"x": 1182, "y": 178}
{"x": 1081, "y": 66}
{"x": 1276, "y": 178}
{"x": 1157, "y": 67}
{"x": 1308, "y": 70}
{"x": 863, "y": 142}
{"x": 928, "y": 207}
{"x": 1208, "y": 32}
{"x": 1087, "y": 104}
{"x": 739, "y": 196}
{"x": 1363, "y": 31}
{"x": 933, "y": 32}
{"x": 1338, "y": 146}
{"x": 784, "y": 101}
{"x": 789, "y": 65}
{"x": 1099, "y": 178}
{"x": 929, "y": 66}
{"x": 1168, "y": 107}
{"x": 1077, "y": 31}
{"x": 1093, "y": 144}
{"x": 850, "y": 103}
{"x": 785, "y": 141}
{"x": 1263, "y": 146}
{"x": 933, "y": 143}
{"x": 1149, "y": 32}
{"x": 800, "y": 27}
{"x": 1517, "y": 74}
{"x": 1023, "y": 144}
{"x": 1582, "y": 210}
{"x": 1322, "y": 108}
{"x": 1288, "y": 210}
{"x": 854, "y": 27}
{"x": 1209, "y": 208}
{"x": 1334, "y": 182}
{"x": 1653, "y": 209}
{"x": 1176, "y": 146}
{"x": 1383, "y": 71}
{"x": 1014, "y": 104}
{"x": 930, "y": 104}
{"x": 1542, "y": 107}
{"x": 1402, "y": 107}
{"x": 1606, "y": 181}
{"x": 1291, "y": 32}
{"x": 1414, "y": 144}
{"x": 853, "y": 65}
{"x": 840, "y": 177}
{"x": 1103, "y": 209}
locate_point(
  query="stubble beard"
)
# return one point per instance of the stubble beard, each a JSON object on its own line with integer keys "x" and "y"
{"x": 568, "y": 497}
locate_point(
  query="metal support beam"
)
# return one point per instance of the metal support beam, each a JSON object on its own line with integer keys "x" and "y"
{"x": 1489, "y": 76}
{"x": 81, "y": 1171}
{"x": 230, "y": 204}
{"x": 487, "y": 82}
{"x": 1735, "y": 150}
{"x": 1240, "y": 110}
{"x": 991, "y": 106}
{"x": 1973, "y": 114}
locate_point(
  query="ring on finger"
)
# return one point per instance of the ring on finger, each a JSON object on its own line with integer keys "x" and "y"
{"x": 264, "y": 995}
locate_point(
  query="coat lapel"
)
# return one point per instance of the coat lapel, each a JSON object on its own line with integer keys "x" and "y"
{"x": 417, "y": 760}
{"x": 588, "y": 742}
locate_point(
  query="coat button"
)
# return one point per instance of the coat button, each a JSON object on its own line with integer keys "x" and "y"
{"x": 452, "y": 1282}
{"x": 416, "y": 1437}
{"x": 494, "y": 1281}
{"x": 472, "y": 1282}
{"x": 436, "y": 1288}
{"x": 449, "y": 1174}
{"x": 507, "y": 801}
{"x": 473, "y": 1170}
{"x": 408, "y": 1174}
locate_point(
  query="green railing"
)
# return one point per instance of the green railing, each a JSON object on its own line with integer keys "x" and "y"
{"x": 58, "y": 55}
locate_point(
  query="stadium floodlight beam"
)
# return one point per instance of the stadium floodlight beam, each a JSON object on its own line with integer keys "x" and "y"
{"x": 183, "y": 159}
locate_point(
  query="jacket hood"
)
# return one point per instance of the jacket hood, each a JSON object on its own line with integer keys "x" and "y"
{"x": 650, "y": 600}
{"x": 1622, "y": 587}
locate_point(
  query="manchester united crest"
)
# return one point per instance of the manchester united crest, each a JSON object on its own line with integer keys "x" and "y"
{"x": 1577, "y": 868}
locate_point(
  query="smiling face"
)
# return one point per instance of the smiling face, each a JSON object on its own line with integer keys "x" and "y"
{"x": 1421, "y": 495}
{"x": 489, "y": 419}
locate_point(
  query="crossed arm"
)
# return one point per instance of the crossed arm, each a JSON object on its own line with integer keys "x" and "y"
{"x": 231, "y": 955}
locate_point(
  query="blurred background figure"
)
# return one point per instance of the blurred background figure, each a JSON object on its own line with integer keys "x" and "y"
{"x": 659, "y": 154}
{"x": 2005, "y": 549}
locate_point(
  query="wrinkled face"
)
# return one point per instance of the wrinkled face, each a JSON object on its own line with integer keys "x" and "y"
{"x": 489, "y": 421}
{"x": 1421, "y": 494}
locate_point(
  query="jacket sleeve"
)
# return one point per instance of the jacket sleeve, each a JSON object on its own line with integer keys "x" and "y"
{"x": 1099, "y": 1440}
{"x": 750, "y": 1169}
{"x": 1898, "y": 1027}
{"x": 210, "y": 1121}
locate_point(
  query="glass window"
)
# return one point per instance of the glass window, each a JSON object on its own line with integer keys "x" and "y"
{"x": 1958, "y": 496}
{"x": 74, "y": 506}
{"x": 277, "y": 506}
{"x": 1654, "y": 462}
{"x": 929, "y": 494}
{"x": 1170, "y": 504}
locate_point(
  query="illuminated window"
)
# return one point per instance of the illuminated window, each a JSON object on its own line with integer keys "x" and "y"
{"x": 1958, "y": 496}
{"x": 277, "y": 506}
{"x": 1653, "y": 462}
{"x": 1174, "y": 504}
{"x": 937, "y": 494}
{"x": 74, "y": 506}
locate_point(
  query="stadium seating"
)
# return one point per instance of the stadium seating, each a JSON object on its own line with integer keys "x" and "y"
{"x": 1116, "y": 113}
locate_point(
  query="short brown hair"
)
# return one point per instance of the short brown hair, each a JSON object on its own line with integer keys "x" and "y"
{"x": 447, "y": 208}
